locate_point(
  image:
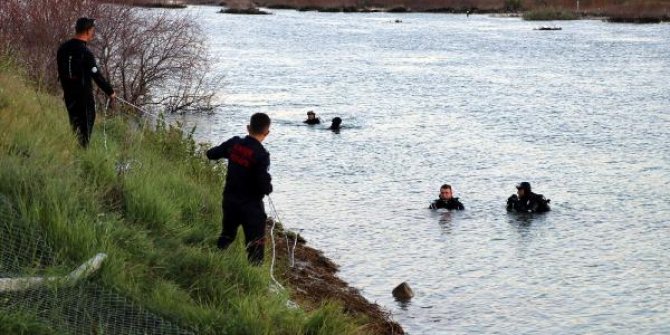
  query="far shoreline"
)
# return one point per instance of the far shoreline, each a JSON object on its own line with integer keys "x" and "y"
{"x": 632, "y": 11}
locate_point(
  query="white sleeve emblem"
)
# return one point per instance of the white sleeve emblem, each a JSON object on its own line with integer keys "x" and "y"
{"x": 94, "y": 70}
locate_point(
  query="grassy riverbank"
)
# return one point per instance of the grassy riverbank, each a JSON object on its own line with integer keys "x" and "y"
{"x": 152, "y": 203}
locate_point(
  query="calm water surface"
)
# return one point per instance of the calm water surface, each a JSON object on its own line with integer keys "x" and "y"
{"x": 481, "y": 103}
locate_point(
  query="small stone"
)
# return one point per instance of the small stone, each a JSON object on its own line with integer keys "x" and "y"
{"x": 403, "y": 292}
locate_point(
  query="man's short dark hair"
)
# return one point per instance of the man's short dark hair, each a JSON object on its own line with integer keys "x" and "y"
{"x": 445, "y": 186}
{"x": 84, "y": 24}
{"x": 259, "y": 123}
{"x": 523, "y": 186}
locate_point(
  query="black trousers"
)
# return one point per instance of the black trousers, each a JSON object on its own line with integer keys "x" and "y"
{"x": 82, "y": 117}
{"x": 252, "y": 217}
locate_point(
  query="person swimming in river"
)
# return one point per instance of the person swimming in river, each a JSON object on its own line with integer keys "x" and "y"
{"x": 525, "y": 201}
{"x": 312, "y": 119}
{"x": 447, "y": 200}
{"x": 336, "y": 124}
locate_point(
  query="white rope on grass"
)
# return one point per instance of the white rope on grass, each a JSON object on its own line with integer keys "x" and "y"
{"x": 88, "y": 268}
{"x": 295, "y": 243}
{"x": 289, "y": 250}
{"x": 104, "y": 122}
{"x": 289, "y": 303}
{"x": 275, "y": 214}
{"x": 84, "y": 270}
{"x": 76, "y": 307}
{"x": 274, "y": 252}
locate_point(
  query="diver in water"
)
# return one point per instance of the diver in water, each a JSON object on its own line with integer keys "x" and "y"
{"x": 525, "y": 201}
{"x": 447, "y": 200}
{"x": 312, "y": 119}
{"x": 336, "y": 124}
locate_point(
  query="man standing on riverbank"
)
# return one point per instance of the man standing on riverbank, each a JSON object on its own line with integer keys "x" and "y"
{"x": 76, "y": 68}
{"x": 247, "y": 182}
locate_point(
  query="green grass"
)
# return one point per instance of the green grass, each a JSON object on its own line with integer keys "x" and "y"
{"x": 158, "y": 222}
{"x": 23, "y": 323}
{"x": 549, "y": 14}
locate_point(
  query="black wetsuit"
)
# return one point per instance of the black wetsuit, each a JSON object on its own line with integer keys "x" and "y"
{"x": 336, "y": 124}
{"x": 247, "y": 182}
{"x": 532, "y": 203}
{"x": 450, "y": 204}
{"x": 312, "y": 121}
{"x": 76, "y": 68}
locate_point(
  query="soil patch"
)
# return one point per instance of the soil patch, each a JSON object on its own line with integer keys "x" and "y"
{"x": 313, "y": 280}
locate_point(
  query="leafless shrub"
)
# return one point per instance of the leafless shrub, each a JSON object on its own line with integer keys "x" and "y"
{"x": 31, "y": 31}
{"x": 151, "y": 57}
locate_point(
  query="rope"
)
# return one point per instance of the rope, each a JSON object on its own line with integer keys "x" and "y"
{"x": 144, "y": 111}
{"x": 276, "y": 216}
{"x": 124, "y": 166}
{"x": 104, "y": 122}
{"x": 295, "y": 243}
{"x": 274, "y": 252}
{"x": 132, "y": 105}
{"x": 290, "y": 250}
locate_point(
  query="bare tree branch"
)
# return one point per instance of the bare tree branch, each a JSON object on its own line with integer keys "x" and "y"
{"x": 156, "y": 57}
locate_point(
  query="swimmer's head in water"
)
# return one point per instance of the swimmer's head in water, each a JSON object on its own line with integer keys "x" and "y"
{"x": 523, "y": 189}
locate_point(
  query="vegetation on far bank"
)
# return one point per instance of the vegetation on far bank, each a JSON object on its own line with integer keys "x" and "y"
{"x": 159, "y": 4}
{"x": 152, "y": 203}
{"x": 548, "y": 14}
{"x": 640, "y": 11}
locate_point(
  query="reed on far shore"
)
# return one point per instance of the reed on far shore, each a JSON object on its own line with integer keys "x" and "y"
{"x": 638, "y": 12}
{"x": 173, "y": 4}
{"x": 619, "y": 11}
{"x": 549, "y": 14}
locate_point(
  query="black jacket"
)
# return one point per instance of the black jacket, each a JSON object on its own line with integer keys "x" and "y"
{"x": 76, "y": 68}
{"x": 533, "y": 203}
{"x": 313, "y": 121}
{"x": 450, "y": 204}
{"x": 247, "y": 179}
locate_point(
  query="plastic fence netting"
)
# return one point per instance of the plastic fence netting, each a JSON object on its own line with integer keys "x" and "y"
{"x": 86, "y": 307}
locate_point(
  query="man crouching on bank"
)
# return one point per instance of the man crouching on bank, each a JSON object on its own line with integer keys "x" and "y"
{"x": 247, "y": 182}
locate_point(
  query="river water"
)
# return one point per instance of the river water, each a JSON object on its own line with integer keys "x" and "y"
{"x": 481, "y": 103}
